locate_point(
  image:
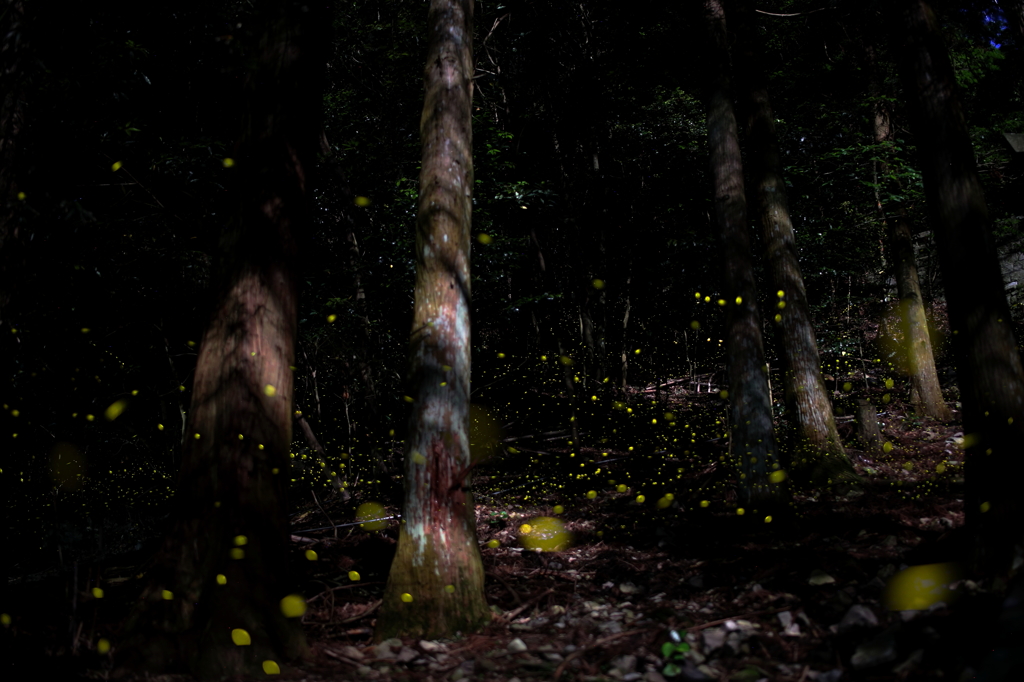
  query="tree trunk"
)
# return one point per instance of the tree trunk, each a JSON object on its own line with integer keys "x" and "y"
{"x": 223, "y": 567}
{"x": 816, "y": 450}
{"x": 436, "y": 584}
{"x": 916, "y": 346}
{"x": 14, "y": 44}
{"x": 753, "y": 439}
{"x": 989, "y": 369}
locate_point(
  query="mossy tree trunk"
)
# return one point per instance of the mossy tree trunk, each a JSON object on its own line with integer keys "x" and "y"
{"x": 816, "y": 450}
{"x": 223, "y": 566}
{"x": 916, "y": 346}
{"x": 753, "y": 438}
{"x": 436, "y": 584}
{"x": 989, "y": 370}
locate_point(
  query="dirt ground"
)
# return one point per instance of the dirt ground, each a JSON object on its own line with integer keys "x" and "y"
{"x": 642, "y": 590}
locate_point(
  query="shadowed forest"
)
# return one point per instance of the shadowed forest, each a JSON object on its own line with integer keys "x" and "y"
{"x": 512, "y": 340}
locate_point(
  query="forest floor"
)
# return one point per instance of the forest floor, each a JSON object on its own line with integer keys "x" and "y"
{"x": 684, "y": 592}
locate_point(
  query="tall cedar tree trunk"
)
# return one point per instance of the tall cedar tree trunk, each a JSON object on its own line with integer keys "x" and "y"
{"x": 989, "y": 370}
{"x": 436, "y": 584}
{"x": 753, "y": 439}
{"x": 223, "y": 566}
{"x": 817, "y": 453}
{"x": 916, "y": 346}
{"x": 14, "y": 43}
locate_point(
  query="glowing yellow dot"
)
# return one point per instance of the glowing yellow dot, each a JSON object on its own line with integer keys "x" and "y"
{"x": 484, "y": 238}
{"x": 407, "y": 399}
{"x": 241, "y": 540}
{"x": 707, "y": 299}
{"x": 103, "y": 646}
{"x": 5, "y": 619}
{"x": 694, "y": 324}
{"x": 598, "y": 284}
{"x": 222, "y": 579}
{"x": 21, "y": 196}
{"x": 269, "y": 390}
{"x": 704, "y": 503}
{"x": 886, "y": 398}
{"x": 116, "y": 166}
{"x": 621, "y": 488}
{"x": 778, "y": 317}
{"x": 237, "y": 553}
{"x": 847, "y": 387}
{"x": 88, "y": 417}
{"x": 696, "y": 294}
{"x": 985, "y": 506}
{"x": 293, "y": 606}
{"x": 739, "y": 300}
{"x": 332, "y": 317}
{"x": 369, "y": 516}
{"x": 640, "y": 499}
{"x": 663, "y": 502}
{"x": 525, "y": 529}
{"x": 721, "y": 301}
{"x": 888, "y": 383}
{"x": 311, "y": 555}
{"x": 940, "y": 468}
{"x": 558, "y": 509}
{"x": 97, "y": 592}
{"x": 493, "y": 544}
{"x": 228, "y": 162}
{"x": 591, "y": 494}
{"x": 887, "y": 448}
{"x": 260, "y": 446}
{"x": 406, "y": 597}
{"x": 780, "y": 305}
{"x": 362, "y": 201}
{"x": 724, "y": 394}
{"x": 240, "y": 637}
{"x": 777, "y": 476}
{"x": 181, "y": 389}
{"x": 271, "y": 668}
{"x": 908, "y": 466}
{"x": 780, "y": 293}
{"x": 450, "y": 589}
{"x": 740, "y": 511}
{"x": 501, "y": 356}
{"x": 167, "y": 595}
{"x": 159, "y": 427}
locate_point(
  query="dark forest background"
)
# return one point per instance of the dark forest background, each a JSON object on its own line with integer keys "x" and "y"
{"x": 594, "y": 238}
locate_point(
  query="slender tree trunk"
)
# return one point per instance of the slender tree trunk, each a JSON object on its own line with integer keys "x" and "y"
{"x": 1015, "y": 15}
{"x": 436, "y": 584}
{"x": 753, "y": 438}
{"x": 624, "y": 365}
{"x": 223, "y": 567}
{"x": 989, "y": 369}
{"x": 816, "y": 450}
{"x": 926, "y": 393}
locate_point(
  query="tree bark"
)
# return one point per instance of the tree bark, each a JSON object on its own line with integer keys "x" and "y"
{"x": 753, "y": 439}
{"x": 816, "y": 450}
{"x": 916, "y": 345}
{"x": 223, "y": 566}
{"x": 436, "y": 584}
{"x": 989, "y": 369}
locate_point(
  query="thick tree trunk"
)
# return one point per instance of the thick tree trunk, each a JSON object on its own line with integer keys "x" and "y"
{"x": 989, "y": 369}
{"x": 816, "y": 450}
{"x": 223, "y": 567}
{"x": 916, "y": 346}
{"x": 753, "y": 438}
{"x": 436, "y": 584}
